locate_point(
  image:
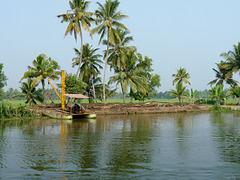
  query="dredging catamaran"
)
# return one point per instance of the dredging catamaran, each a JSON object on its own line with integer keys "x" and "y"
{"x": 66, "y": 112}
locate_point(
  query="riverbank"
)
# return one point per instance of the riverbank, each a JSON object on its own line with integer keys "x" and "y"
{"x": 144, "y": 108}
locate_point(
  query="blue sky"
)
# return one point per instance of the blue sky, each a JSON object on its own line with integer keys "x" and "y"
{"x": 174, "y": 33}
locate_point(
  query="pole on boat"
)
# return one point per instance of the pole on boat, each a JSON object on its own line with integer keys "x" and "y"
{"x": 63, "y": 90}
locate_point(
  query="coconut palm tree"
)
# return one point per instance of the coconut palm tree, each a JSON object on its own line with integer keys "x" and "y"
{"x": 42, "y": 68}
{"x": 131, "y": 75}
{"x": 118, "y": 49}
{"x": 30, "y": 92}
{"x": 90, "y": 66}
{"x": 180, "y": 92}
{"x": 232, "y": 59}
{"x": 181, "y": 76}
{"x": 223, "y": 74}
{"x": 108, "y": 18}
{"x": 78, "y": 17}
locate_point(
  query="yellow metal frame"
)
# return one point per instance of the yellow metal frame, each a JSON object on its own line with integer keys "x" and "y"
{"x": 63, "y": 90}
{"x": 54, "y": 89}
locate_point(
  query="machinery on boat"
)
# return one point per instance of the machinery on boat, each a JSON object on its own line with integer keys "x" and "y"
{"x": 72, "y": 110}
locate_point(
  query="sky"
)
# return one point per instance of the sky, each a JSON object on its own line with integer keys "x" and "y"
{"x": 173, "y": 33}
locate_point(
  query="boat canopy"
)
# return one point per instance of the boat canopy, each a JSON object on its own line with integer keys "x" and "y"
{"x": 79, "y": 96}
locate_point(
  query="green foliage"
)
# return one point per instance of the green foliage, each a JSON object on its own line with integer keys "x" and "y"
{"x": 223, "y": 74}
{"x": 78, "y": 17}
{"x": 131, "y": 75}
{"x": 109, "y": 92}
{"x": 73, "y": 85}
{"x": 218, "y": 108}
{"x": 180, "y": 92}
{"x": 107, "y": 18}
{"x": 30, "y": 93}
{"x": 7, "y": 110}
{"x": 207, "y": 101}
{"x": 232, "y": 63}
{"x": 192, "y": 95}
{"x": 118, "y": 49}
{"x": 3, "y": 79}
{"x": 42, "y": 68}
{"x": 181, "y": 76}
{"x": 218, "y": 94}
{"x": 138, "y": 96}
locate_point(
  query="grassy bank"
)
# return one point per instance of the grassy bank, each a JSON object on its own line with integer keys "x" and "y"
{"x": 14, "y": 110}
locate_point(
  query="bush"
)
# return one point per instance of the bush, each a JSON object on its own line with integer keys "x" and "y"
{"x": 9, "y": 111}
{"x": 207, "y": 101}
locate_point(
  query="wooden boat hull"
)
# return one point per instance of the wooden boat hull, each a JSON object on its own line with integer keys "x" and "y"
{"x": 67, "y": 116}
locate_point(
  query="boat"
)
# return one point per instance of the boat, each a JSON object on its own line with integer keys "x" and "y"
{"x": 56, "y": 114}
{"x": 64, "y": 112}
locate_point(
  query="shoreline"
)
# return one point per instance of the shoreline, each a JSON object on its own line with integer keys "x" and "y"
{"x": 144, "y": 108}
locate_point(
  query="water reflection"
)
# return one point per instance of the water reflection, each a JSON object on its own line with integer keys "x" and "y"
{"x": 137, "y": 146}
{"x": 227, "y": 135}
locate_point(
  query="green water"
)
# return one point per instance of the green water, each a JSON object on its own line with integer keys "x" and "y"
{"x": 171, "y": 146}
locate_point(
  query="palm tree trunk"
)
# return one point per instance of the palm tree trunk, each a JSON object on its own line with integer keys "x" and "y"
{"x": 124, "y": 96}
{"x": 94, "y": 93}
{"x": 43, "y": 88}
{"x": 105, "y": 70}
{"x": 239, "y": 100}
{"x": 81, "y": 52}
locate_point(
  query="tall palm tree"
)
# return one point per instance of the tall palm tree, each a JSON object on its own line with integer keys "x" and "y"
{"x": 223, "y": 74}
{"x": 108, "y": 18}
{"x": 90, "y": 66}
{"x": 181, "y": 76}
{"x": 42, "y": 68}
{"x": 180, "y": 92}
{"x": 30, "y": 92}
{"x": 232, "y": 60}
{"x": 131, "y": 75}
{"x": 77, "y": 16}
{"x": 118, "y": 49}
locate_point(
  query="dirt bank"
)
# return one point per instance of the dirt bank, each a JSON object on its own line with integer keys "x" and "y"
{"x": 144, "y": 108}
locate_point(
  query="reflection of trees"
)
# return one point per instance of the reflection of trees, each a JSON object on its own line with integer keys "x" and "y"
{"x": 128, "y": 142}
{"x": 227, "y": 134}
{"x": 38, "y": 149}
{"x": 3, "y": 144}
{"x": 83, "y": 145}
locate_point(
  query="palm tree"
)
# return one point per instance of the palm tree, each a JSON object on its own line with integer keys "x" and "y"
{"x": 232, "y": 60}
{"x": 180, "y": 92}
{"x": 234, "y": 91}
{"x": 91, "y": 65}
{"x": 218, "y": 94}
{"x": 118, "y": 49}
{"x": 42, "y": 68}
{"x": 77, "y": 17}
{"x": 30, "y": 93}
{"x": 131, "y": 75}
{"x": 181, "y": 76}
{"x": 108, "y": 17}
{"x": 223, "y": 74}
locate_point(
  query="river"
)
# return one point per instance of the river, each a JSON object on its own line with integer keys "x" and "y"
{"x": 163, "y": 146}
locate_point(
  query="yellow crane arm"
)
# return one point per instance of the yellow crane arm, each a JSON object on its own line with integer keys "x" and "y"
{"x": 54, "y": 89}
